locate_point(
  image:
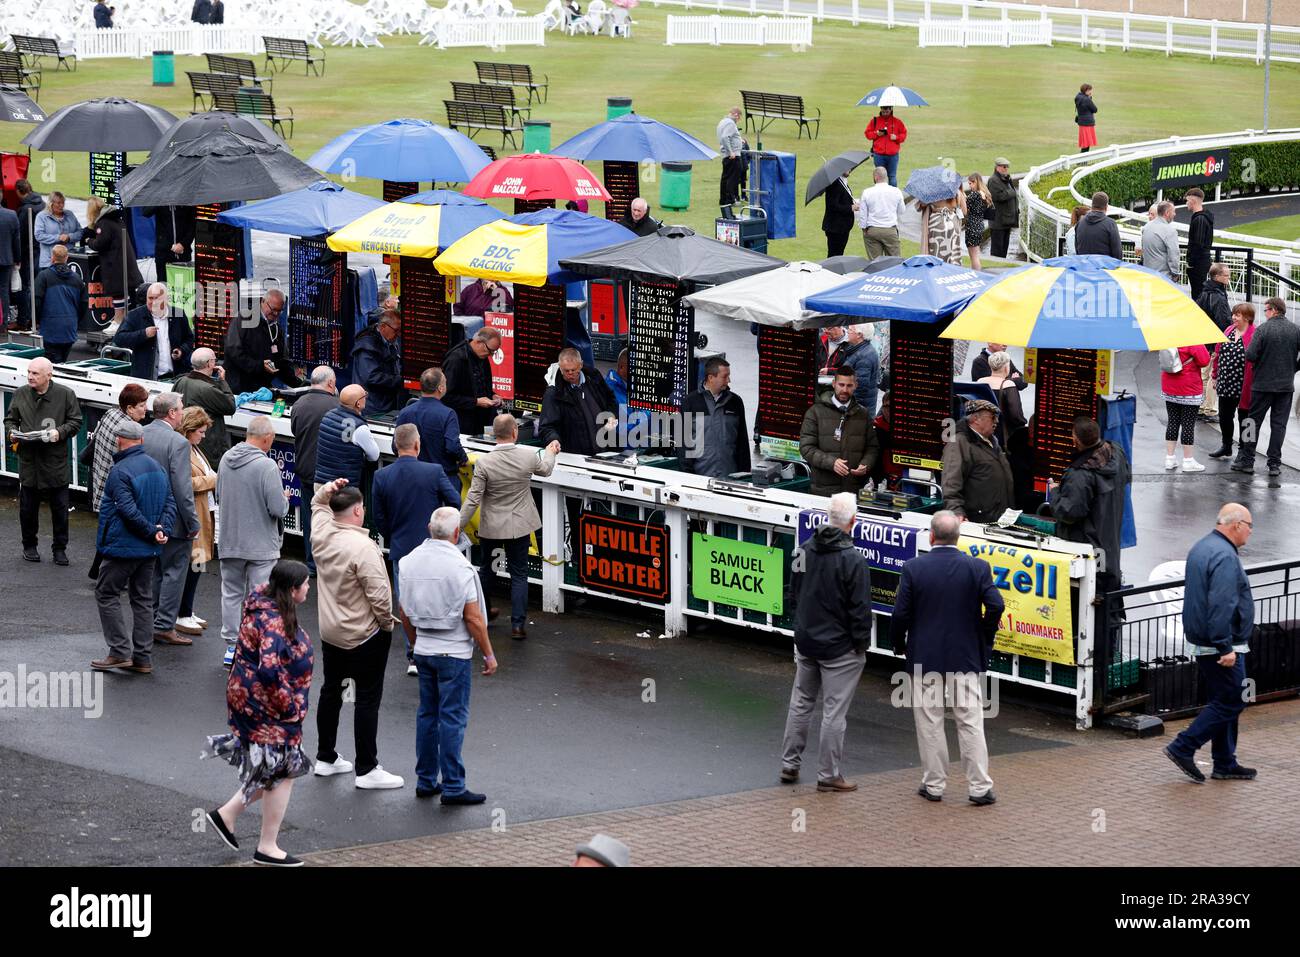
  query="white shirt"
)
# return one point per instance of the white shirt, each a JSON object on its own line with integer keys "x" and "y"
{"x": 164, "y": 363}
{"x": 880, "y": 205}
{"x": 363, "y": 440}
{"x": 436, "y": 582}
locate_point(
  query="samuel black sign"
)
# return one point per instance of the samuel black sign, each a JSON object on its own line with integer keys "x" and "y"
{"x": 1189, "y": 169}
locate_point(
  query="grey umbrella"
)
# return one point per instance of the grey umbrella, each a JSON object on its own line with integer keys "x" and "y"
{"x": 192, "y": 127}
{"x": 110, "y": 125}
{"x": 218, "y": 167}
{"x": 18, "y": 107}
{"x": 833, "y": 169}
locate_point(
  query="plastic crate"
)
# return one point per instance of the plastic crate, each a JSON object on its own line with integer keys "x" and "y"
{"x": 999, "y": 662}
{"x": 1123, "y": 674}
{"x": 1065, "y": 676}
{"x": 1033, "y": 669}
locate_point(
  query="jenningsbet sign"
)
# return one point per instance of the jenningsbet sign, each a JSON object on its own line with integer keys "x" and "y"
{"x": 1189, "y": 169}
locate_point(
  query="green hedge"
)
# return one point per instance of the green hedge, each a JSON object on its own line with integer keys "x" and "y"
{"x": 1277, "y": 166}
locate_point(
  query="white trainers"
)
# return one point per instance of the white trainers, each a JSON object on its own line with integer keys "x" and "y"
{"x": 189, "y": 626}
{"x": 339, "y": 766}
{"x": 1191, "y": 465}
{"x": 378, "y": 779}
{"x": 201, "y": 622}
{"x": 1171, "y": 463}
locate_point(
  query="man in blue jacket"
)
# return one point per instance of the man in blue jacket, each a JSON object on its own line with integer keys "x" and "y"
{"x": 404, "y": 494}
{"x": 945, "y": 618}
{"x": 1218, "y": 618}
{"x": 438, "y": 425}
{"x": 377, "y": 364}
{"x": 136, "y": 517}
{"x": 61, "y": 301}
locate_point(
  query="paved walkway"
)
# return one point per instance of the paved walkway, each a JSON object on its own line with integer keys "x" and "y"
{"x": 1104, "y": 801}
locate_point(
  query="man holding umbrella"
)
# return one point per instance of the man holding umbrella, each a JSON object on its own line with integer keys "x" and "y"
{"x": 838, "y": 220}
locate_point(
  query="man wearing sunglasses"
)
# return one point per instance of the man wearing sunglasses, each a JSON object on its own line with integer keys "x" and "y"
{"x": 256, "y": 350}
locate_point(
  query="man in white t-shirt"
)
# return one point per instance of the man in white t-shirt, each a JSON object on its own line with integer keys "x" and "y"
{"x": 878, "y": 212}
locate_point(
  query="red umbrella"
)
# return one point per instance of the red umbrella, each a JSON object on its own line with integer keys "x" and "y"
{"x": 536, "y": 176}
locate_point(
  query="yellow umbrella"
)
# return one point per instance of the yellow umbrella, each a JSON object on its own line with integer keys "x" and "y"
{"x": 410, "y": 227}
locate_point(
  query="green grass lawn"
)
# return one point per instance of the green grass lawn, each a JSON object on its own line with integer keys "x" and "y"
{"x": 984, "y": 102}
{"x": 1284, "y": 227}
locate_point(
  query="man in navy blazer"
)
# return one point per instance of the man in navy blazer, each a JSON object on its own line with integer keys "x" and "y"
{"x": 403, "y": 495}
{"x": 146, "y": 327}
{"x": 439, "y": 427}
{"x": 945, "y": 618}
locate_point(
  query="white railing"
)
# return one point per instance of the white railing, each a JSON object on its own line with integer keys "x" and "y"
{"x": 491, "y": 32}
{"x": 751, "y": 31}
{"x": 984, "y": 33}
{"x": 1099, "y": 30}
{"x": 192, "y": 40}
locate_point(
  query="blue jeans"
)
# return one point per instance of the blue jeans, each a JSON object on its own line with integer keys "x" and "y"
{"x": 516, "y": 550}
{"x": 1217, "y": 721}
{"x": 890, "y": 163}
{"x": 441, "y": 720}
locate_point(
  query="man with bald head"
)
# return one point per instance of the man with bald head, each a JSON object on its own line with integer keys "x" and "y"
{"x": 945, "y": 618}
{"x": 1218, "y": 618}
{"x": 42, "y": 417}
{"x": 638, "y": 218}
{"x": 344, "y": 445}
{"x": 205, "y": 386}
{"x": 158, "y": 336}
{"x": 256, "y": 350}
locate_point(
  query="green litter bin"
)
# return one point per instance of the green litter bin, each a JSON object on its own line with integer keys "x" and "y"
{"x": 537, "y": 136}
{"x": 617, "y": 106}
{"x": 164, "y": 68}
{"x": 675, "y": 186}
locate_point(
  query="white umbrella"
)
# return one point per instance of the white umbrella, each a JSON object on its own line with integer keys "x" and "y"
{"x": 773, "y": 297}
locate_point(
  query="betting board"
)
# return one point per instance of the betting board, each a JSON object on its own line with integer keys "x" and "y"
{"x": 320, "y": 313}
{"x": 539, "y": 337}
{"x": 426, "y": 316}
{"x": 623, "y": 182}
{"x": 1066, "y": 382}
{"x": 661, "y": 330}
{"x": 920, "y": 397}
{"x": 394, "y": 190}
{"x": 787, "y": 387}
{"x": 105, "y": 170}
{"x": 523, "y": 206}
{"x": 218, "y": 266}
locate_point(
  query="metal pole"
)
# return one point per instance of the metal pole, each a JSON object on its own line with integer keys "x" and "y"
{"x": 1268, "y": 44}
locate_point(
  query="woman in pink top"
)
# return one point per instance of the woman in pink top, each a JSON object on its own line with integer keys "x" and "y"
{"x": 1182, "y": 393}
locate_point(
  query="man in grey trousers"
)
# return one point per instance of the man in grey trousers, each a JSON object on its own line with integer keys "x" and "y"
{"x": 831, "y": 632}
{"x": 171, "y": 450}
{"x": 253, "y": 504}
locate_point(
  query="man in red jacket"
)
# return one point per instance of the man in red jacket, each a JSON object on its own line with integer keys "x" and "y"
{"x": 886, "y": 134}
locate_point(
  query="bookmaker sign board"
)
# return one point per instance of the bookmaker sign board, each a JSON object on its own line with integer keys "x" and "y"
{"x": 623, "y": 557}
{"x": 1189, "y": 169}
{"x": 741, "y": 574}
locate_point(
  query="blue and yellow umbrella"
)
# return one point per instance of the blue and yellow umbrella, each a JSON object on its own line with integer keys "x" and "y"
{"x": 1084, "y": 302}
{"x": 421, "y": 225}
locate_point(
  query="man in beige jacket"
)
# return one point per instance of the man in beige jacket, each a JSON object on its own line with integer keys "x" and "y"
{"x": 355, "y": 607}
{"x": 502, "y": 487}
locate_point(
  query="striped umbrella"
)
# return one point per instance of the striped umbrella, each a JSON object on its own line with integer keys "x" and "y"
{"x": 893, "y": 96}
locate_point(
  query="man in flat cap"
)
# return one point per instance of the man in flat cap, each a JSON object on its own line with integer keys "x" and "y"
{"x": 603, "y": 851}
{"x": 977, "y": 482}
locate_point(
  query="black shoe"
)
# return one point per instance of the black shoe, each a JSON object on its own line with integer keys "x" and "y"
{"x": 1275, "y": 470}
{"x": 31, "y": 555}
{"x": 789, "y": 775}
{"x": 925, "y": 793}
{"x": 223, "y": 832}
{"x": 60, "y": 557}
{"x": 287, "y": 861}
{"x": 1186, "y": 765}
{"x": 464, "y": 797}
{"x": 1242, "y": 467}
{"x": 988, "y": 797}
{"x": 1237, "y": 773}
{"x": 427, "y": 792}
{"x": 1222, "y": 453}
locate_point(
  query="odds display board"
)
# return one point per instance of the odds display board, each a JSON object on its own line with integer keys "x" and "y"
{"x": 623, "y": 557}
{"x": 1067, "y": 383}
{"x": 320, "y": 314}
{"x": 623, "y": 183}
{"x": 921, "y": 398}
{"x": 539, "y": 337}
{"x": 661, "y": 330}
{"x": 105, "y": 170}
{"x": 426, "y": 316}
{"x": 885, "y": 545}
{"x": 503, "y": 360}
{"x": 1035, "y": 586}
{"x": 218, "y": 266}
{"x": 787, "y": 387}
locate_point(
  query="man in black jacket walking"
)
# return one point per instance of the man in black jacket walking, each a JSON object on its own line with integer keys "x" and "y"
{"x": 832, "y": 629}
{"x": 1097, "y": 234}
{"x": 1200, "y": 237}
{"x": 1274, "y": 351}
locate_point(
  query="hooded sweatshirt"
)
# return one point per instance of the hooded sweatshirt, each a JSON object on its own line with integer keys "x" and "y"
{"x": 60, "y": 303}
{"x": 1089, "y": 505}
{"x": 1097, "y": 235}
{"x": 833, "y": 617}
{"x": 253, "y": 504}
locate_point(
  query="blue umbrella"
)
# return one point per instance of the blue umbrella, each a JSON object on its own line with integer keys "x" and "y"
{"x": 631, "y": 138}
{"x": 407, "y": 151}
{"x": 893, "y": 96}
{"x": 919, "y": 289}
{"x": 443, "y": 197}
{"x": 320, "y": 208}
{"x": 933, "y": 183}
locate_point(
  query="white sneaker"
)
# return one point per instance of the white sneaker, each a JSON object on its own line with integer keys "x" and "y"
{"x": 1191, "y": 465}
{"x": 379, "y": 779}
{"x": 411, "y": 669}
{"x": 201, "y": 622}
{"x": 110, "y": 330}
{"x": 339, "y": 766}
{"x": 1171, "y": 463}
{"x": 189, "y": 626}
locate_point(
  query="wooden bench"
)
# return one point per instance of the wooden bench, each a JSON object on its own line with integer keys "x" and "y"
{"x": 482, "y": 116}
{"x": 285, "y": 50}
{"x": 15, "y": 77}
{"x": 769, "y": 107}
{"x": 513, "y": 74}
{"x": 255, "y": 104}
{"x": 207, "y": 84}
{"x": 31, "y": 76}
{"x": 33, "y": 48}
{"x": 246, "y": 70}
{"x": 489, "y": 93}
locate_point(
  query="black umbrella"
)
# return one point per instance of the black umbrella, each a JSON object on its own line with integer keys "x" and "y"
{"x": 192, "y": 127}
{"x": 845, "y": 264}
{"x": 110, "y": 125}
{"x": 218, "y": 167}
{"x": 17, "y": 106}
{"x": 834, "y": 168}
{"x": 677, "y": 253}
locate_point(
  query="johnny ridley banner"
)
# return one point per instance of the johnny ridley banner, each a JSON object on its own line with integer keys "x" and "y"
{"x": 1036, "y": 588}
{"x": 886, "y": 546}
